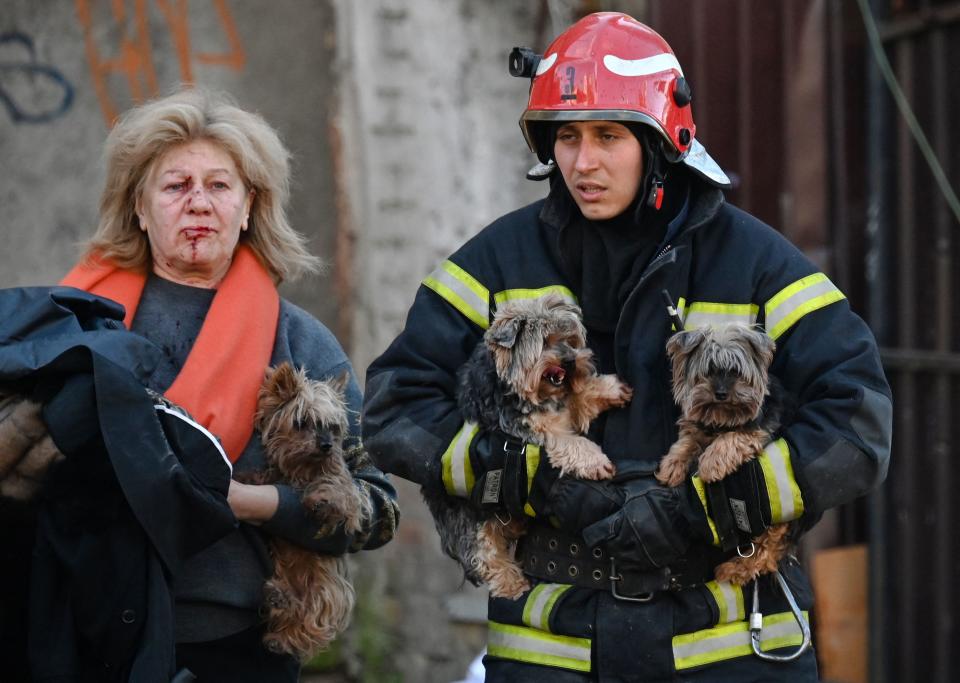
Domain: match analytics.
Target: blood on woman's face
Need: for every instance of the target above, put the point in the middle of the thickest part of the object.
(193, 208)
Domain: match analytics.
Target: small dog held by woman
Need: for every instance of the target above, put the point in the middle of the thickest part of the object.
(531, 377)
(730, 407)
(302, 423)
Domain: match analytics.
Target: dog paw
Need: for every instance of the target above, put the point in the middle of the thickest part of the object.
(596, 467)
(671, 473)
(736, 572)
(614, 393)
(324, 511)
(511, 585)
(713, 469)
(601, 469)
(624, 394)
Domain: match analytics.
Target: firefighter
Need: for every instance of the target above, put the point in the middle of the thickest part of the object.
(622, 570)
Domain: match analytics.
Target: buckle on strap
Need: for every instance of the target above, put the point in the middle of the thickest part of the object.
(640, 586)
(557, 557)
(616, 577)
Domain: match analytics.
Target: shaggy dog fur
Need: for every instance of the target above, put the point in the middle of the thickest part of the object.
(533, 378)
(26, 450)
(730, 407)
(302, 423)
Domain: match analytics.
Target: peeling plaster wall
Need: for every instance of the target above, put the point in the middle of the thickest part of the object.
(434, 152)
(71, 66)
(434, 149)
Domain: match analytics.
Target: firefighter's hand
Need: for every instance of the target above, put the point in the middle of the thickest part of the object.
(738, 505)
(654, 526)
(506, 471)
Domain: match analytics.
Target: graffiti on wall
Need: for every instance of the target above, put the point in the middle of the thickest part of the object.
(30, 91)
(131, 55)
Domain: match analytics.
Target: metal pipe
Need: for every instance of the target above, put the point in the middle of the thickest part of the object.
(839, 187)
(936, 16)
(944, 571)
(877, 261)
(920, 360)
(906, 498)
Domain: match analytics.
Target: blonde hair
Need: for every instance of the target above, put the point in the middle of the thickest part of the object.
(146, 132)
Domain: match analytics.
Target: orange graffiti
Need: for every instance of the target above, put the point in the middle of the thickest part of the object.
(133, 58)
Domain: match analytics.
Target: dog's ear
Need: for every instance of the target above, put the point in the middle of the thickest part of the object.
(284, 381)
(506, 331)
(339, 383)
(762, 344)
(684, 343)
(556, 304)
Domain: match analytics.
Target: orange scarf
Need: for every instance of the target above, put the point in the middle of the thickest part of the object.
(219, 381)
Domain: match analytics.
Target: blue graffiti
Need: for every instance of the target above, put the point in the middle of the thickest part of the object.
(47, 94)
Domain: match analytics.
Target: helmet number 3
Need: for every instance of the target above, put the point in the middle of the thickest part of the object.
(569, 92)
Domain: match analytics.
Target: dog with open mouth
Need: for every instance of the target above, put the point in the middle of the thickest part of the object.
(533, 378)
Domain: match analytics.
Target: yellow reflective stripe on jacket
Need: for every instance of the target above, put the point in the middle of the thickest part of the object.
(515, 294)
(729, 599)
(532, 455)
(794, 301)
(533, 646)
(786, 502)
(733, 640)
(462, 291)
(707, 314)
(540, 603)
(458, 476)
(702, 495)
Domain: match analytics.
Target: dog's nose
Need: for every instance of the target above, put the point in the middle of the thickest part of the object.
(720, 394)
(325, 443)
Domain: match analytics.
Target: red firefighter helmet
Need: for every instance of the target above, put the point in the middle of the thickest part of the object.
(610, 67)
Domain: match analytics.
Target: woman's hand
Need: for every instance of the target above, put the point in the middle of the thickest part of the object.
(253, 503)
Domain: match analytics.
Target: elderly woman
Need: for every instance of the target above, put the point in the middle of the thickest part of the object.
(193, 239)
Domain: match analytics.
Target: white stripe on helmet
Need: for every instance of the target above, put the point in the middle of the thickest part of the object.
(642, 67)
(545, 64)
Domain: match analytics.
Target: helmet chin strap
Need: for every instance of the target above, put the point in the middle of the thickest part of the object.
(655, 175)
(655, 197)
(654, 166)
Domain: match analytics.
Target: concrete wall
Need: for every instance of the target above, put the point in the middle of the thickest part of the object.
(434, 152)
(71, 66)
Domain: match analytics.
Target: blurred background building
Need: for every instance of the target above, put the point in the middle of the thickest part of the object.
(403, 125)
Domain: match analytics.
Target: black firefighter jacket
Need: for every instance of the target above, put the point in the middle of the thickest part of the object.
(719, 264)
(140, 489)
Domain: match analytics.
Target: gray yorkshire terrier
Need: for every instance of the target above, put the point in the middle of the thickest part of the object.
(533, 378)
(302, 423)
(730, 406)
